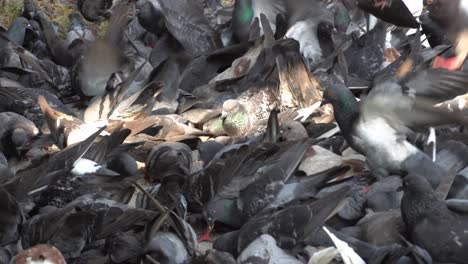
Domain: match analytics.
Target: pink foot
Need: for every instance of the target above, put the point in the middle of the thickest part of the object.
(380, 3)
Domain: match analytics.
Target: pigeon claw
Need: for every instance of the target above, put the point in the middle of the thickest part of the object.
(451, 64)
(381, 4)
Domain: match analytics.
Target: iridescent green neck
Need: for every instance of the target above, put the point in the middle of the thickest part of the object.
(236, 123)
(246, 13)
(346, 109)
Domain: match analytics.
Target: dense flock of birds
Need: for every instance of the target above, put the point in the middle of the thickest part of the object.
(207, 131)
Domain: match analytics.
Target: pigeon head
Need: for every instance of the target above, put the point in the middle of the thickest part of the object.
(19, 137)
(15, 141)
(337, 95)
(17, 30)
(220, 210)
(235, 118)
(345, 105)
(418, 199)
(210, 214)
(230, 106)
(442, 11)
(76, 21)
(293, 131)
(212, 211)
(40, 254)
(150, 16)
(416, 184)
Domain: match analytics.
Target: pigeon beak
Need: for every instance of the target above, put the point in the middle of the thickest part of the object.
(399, 189)
(324, 102)
(223, 114)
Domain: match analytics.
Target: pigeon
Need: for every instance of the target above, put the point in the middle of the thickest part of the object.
(57, 47)
(431, 224)
(30, 9)
(392, 153)
(94, 10)
(170, 164)
(236, 119)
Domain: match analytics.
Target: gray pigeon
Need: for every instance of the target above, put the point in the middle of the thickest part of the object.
(431, 224)
(379, 132)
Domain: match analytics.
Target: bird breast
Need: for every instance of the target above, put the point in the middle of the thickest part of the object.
(379, 137)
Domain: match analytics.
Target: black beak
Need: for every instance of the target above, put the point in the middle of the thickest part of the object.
(324, 102)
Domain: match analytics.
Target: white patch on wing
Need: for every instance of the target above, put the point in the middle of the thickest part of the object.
(348, 255)
(85, 166)
(378, 135)
(29, 260)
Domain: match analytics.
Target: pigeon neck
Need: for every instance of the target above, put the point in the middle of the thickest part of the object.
(236, 123)
(346, 109)
(245, 12)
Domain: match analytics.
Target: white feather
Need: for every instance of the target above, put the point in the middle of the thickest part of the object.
(347, 253)
(85, 166)
(29, 260)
